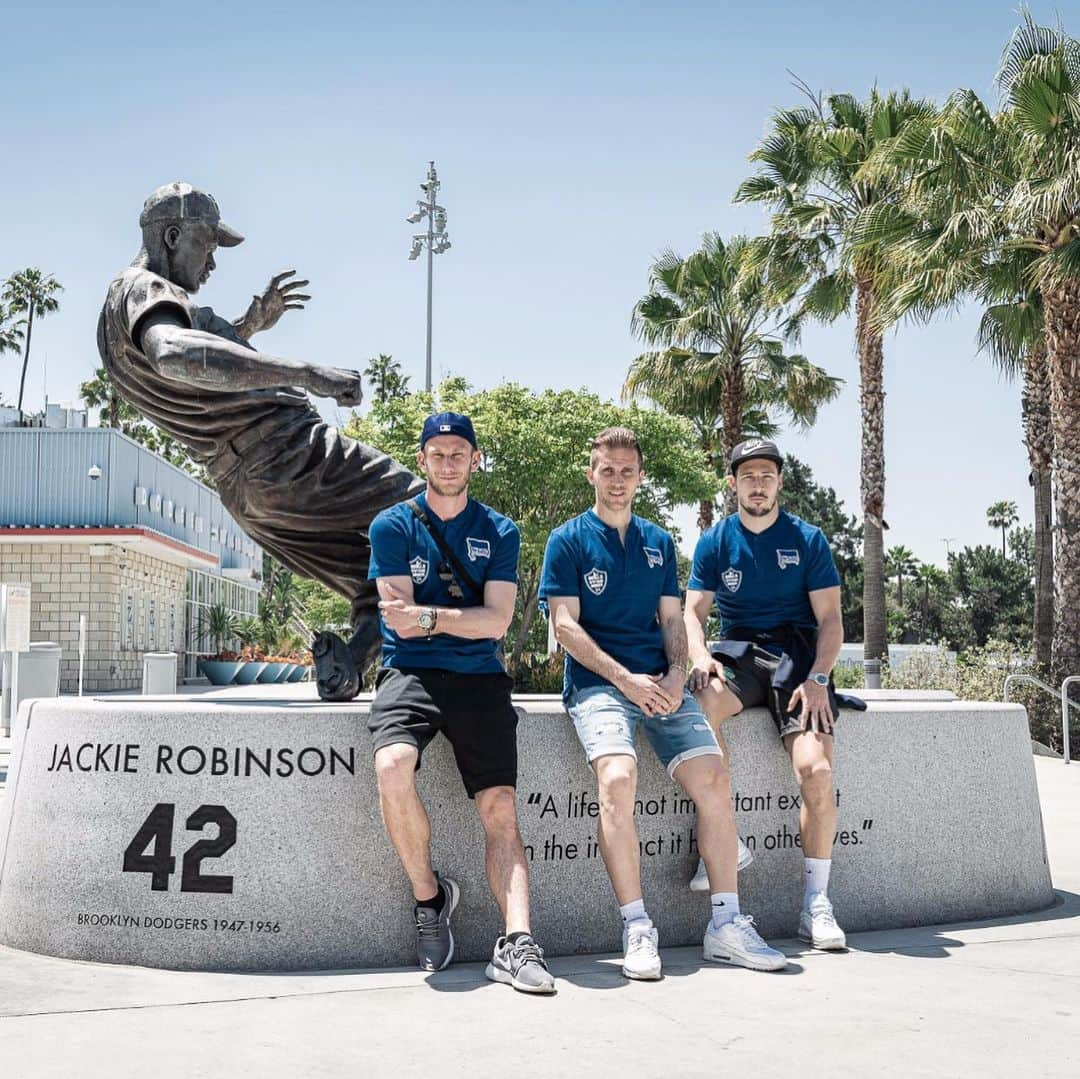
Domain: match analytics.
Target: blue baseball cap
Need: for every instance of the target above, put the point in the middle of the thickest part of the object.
(448, 423)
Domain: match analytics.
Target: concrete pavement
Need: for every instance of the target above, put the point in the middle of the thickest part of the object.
(995, 998)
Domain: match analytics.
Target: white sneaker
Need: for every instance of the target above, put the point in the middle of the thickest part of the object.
(700, 881)
(817, 925)
(738, 942)
(641, 960)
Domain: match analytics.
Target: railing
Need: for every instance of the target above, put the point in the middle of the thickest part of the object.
(1062, 694)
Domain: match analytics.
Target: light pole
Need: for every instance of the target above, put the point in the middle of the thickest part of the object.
(436, 240)
(948, 540)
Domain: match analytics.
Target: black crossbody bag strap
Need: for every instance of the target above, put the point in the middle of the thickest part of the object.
(455, 564)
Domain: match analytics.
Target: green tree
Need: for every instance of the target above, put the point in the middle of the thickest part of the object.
(994, 595)
(717, 355)
(901, 564)
(934, 592)
(11, 331)
(809, 174)
(34, 293)
(1002, 515)
(535, 451)
(387, 381)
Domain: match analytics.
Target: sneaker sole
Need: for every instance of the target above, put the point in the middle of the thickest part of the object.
(497, 974)
(646, 976)
(836, 946)
(746, 961)
(452, 895)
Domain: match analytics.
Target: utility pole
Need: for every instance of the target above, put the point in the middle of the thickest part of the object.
(436, 240)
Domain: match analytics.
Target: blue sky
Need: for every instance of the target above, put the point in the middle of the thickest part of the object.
(575, 143)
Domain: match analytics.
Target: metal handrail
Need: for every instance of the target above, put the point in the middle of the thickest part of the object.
(1062, 694)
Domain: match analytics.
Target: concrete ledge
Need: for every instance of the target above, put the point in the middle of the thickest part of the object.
(938, 822)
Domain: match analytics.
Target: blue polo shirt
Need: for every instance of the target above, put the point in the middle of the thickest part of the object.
(486, 544)
(763, 579)
(619, 586)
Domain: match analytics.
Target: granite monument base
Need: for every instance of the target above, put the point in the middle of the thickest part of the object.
(203, 834)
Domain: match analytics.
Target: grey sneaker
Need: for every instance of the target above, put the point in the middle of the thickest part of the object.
(700, 880)
(434, 941)
(520, 963)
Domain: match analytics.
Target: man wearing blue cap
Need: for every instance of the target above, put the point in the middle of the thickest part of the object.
(446, 569)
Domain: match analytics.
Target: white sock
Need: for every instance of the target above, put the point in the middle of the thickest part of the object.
(725, 905)
(815, 878)
(634, 912)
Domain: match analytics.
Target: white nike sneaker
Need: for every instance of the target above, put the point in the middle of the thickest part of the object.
(641, 960)
(817, 925)
(738, 942)
(700, 880)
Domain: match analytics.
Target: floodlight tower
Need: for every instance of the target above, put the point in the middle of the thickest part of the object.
(436, 240)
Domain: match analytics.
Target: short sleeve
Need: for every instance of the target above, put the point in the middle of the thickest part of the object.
(559, 576)
(671, 569)
(389, 539)
(821, 569)
(504, 561)
(148, 292)
(703, 569)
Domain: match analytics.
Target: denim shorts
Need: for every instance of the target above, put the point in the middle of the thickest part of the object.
(606, 722)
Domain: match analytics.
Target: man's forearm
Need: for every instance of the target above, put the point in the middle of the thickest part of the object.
(829, 639)
(673, 630)
(474, 623)
(696, 644)
(586, 651)
(212, 361)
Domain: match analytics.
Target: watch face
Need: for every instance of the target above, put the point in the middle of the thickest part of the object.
(820, 679)
(425, 620)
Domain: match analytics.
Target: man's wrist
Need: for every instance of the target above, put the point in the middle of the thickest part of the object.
(678, 669)
(819, 678)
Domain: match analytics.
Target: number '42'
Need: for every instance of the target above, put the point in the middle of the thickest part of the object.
(156, 832)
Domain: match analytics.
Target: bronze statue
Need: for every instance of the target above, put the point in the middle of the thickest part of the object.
(298, 487)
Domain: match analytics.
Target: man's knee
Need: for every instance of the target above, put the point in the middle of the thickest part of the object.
(707, 780)
(815, 780)
(617, 784)
(718, 702)
(395, 769)
(497, 807)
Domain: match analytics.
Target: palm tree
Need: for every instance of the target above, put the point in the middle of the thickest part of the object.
(35, 293)
(99, 392)
(810, 162)
(1002, 515)
(1003, 184)
(11, 331)
(718, 355)
(900, 563)
(929, 577)
(384, 374)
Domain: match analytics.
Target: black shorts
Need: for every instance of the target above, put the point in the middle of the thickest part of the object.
(754, 687)
(473, 710)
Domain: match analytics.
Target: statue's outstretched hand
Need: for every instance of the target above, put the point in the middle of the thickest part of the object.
(278, 297)
(343, 386)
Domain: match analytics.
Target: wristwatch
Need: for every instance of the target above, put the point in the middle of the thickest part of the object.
(427, 619)
(818, 678)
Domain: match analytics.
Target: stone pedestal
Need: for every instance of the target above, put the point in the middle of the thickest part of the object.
(203, 834)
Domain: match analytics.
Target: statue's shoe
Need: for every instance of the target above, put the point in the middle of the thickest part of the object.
(336, 676)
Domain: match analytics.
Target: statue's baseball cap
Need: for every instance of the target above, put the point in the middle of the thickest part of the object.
(755, 447)
(182, 202)
(448, 423)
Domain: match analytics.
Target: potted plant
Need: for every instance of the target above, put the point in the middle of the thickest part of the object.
(221, 668)
(247, 633)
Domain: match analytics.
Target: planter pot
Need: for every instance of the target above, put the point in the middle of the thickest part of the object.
(272, 672)
(219, 672)
(298, 674)
(249, 672)
(286, 670)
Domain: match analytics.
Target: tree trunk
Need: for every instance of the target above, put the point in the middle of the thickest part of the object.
(1039, 438)
(531, 595)
(732, 395)
(26, 353)
(872, 468)
(1061, 304)
(114, 409)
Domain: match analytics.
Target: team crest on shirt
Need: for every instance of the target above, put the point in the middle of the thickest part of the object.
(596, 580)
(419, 567)
(653, 557)
(787, 558)
(732, 578)
(478, 548)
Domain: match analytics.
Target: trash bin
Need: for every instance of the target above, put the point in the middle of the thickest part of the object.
(159, 672)
(39, 676)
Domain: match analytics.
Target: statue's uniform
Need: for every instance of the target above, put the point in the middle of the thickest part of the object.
(306, 493)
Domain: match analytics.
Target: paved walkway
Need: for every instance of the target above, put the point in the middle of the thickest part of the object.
(990, 999)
